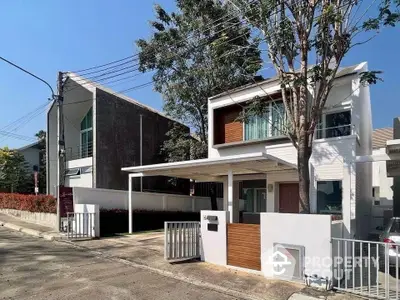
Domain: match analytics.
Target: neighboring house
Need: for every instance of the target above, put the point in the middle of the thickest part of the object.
(256, 159)
(382, 192)
(104, 131)
(32, 155)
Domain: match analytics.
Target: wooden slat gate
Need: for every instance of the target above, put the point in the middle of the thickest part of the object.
(182, 240)
(244, 245)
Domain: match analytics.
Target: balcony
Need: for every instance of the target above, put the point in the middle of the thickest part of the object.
(78, 152)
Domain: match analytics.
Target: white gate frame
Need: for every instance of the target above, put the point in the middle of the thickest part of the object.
(181, 240)
(370, 268)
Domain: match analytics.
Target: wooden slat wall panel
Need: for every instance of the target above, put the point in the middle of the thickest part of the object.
(244, 246)
(226, 128)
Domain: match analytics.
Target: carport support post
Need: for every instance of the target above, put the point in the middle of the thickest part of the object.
(130, 202)
(230, 195)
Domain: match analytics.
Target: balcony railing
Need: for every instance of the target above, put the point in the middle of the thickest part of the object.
(77, 152)
(336, 131)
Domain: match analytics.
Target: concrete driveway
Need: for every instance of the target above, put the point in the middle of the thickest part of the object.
(32, 268)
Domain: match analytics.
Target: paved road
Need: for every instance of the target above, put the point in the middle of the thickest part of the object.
(32, 268)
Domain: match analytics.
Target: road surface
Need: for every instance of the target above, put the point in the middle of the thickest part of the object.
(32, 268)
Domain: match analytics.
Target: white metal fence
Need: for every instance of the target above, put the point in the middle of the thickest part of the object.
(366, 268)
(182, 240)
(80, 225)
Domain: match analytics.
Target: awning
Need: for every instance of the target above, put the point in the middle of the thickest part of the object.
(214, 168)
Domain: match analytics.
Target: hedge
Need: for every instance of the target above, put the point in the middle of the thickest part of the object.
(117, 221)
(32, 203)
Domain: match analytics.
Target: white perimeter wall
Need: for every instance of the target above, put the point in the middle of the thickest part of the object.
(213, 243)
(313, 232)
(115, 199)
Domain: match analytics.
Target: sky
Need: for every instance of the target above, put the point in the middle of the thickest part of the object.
(48, 36)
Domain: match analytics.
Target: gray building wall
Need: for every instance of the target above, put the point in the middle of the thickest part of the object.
(118, 145)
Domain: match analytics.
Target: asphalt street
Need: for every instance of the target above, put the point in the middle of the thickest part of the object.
(32, 268)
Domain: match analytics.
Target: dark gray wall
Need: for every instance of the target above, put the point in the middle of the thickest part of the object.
(118, 145)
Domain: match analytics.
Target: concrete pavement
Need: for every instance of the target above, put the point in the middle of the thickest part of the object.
(29, 228)
(32, 268)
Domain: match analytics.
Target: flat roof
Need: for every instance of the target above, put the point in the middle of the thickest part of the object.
(203, 169)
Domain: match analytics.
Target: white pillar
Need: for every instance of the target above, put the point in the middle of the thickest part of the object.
(130, 203)
(230, 195)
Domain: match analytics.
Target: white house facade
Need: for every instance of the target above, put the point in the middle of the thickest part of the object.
(258, 154)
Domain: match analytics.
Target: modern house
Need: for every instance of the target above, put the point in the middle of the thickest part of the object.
(382, 192)
(32, 155)
(104, 131)
(257, 156)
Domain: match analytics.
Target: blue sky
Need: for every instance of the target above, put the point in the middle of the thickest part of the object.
(48, 36)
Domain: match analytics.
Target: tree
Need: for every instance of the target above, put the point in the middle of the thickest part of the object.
(197, 52)
(14, 172)
(41, 136)
(297, 32)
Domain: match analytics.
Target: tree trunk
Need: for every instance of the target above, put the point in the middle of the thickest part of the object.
(303, 157)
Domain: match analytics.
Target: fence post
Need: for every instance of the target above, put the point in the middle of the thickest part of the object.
(164, 202)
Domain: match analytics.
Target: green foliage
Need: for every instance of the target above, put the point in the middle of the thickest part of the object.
(14, 172)
(196, 52)
(41, 136)
(370, 77)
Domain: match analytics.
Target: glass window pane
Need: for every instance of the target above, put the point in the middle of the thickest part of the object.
(278, 118)
(256, 127)
(89, 144)
(329, 197)
(338, 124)
(248, 196)
(261, 201)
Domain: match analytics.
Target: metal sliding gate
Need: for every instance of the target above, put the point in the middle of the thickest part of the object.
(80, 225)
(366, 268)
(182, 240)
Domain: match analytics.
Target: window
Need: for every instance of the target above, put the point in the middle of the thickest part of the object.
(271, 124)
(329, 197)
(87, 135)
(334, 125)
(73, 172)
(85, 170)
(255, 200)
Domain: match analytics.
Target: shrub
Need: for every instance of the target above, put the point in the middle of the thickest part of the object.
(32, 203)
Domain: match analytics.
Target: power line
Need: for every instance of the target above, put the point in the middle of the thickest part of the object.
(107, 64)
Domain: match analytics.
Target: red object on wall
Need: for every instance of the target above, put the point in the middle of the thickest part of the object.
(66, 201)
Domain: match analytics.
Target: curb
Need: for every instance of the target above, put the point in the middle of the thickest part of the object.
(29, 231)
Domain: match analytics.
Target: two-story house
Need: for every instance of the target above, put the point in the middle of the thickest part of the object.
(257, 157)
(104, 131)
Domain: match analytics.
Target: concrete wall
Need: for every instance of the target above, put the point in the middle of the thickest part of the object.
(114, 199)
(380, 179)
(118, 144)
(45, 219)
(313, 232)
(213, 243)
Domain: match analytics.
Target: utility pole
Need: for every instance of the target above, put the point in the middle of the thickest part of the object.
(60, 141)
(141, 150)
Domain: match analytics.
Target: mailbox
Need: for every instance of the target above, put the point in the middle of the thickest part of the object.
(212, 223)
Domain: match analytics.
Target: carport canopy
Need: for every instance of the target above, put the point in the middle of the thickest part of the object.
(213, 169)
(210, 169)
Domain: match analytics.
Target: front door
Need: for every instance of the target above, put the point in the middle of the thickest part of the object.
(289, 199)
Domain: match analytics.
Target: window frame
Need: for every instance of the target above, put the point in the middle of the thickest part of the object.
(76, 172)
(323, 128)
(269, 128)
(316, 192)
(82, 153)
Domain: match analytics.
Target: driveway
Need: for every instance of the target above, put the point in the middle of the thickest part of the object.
(32, 268)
